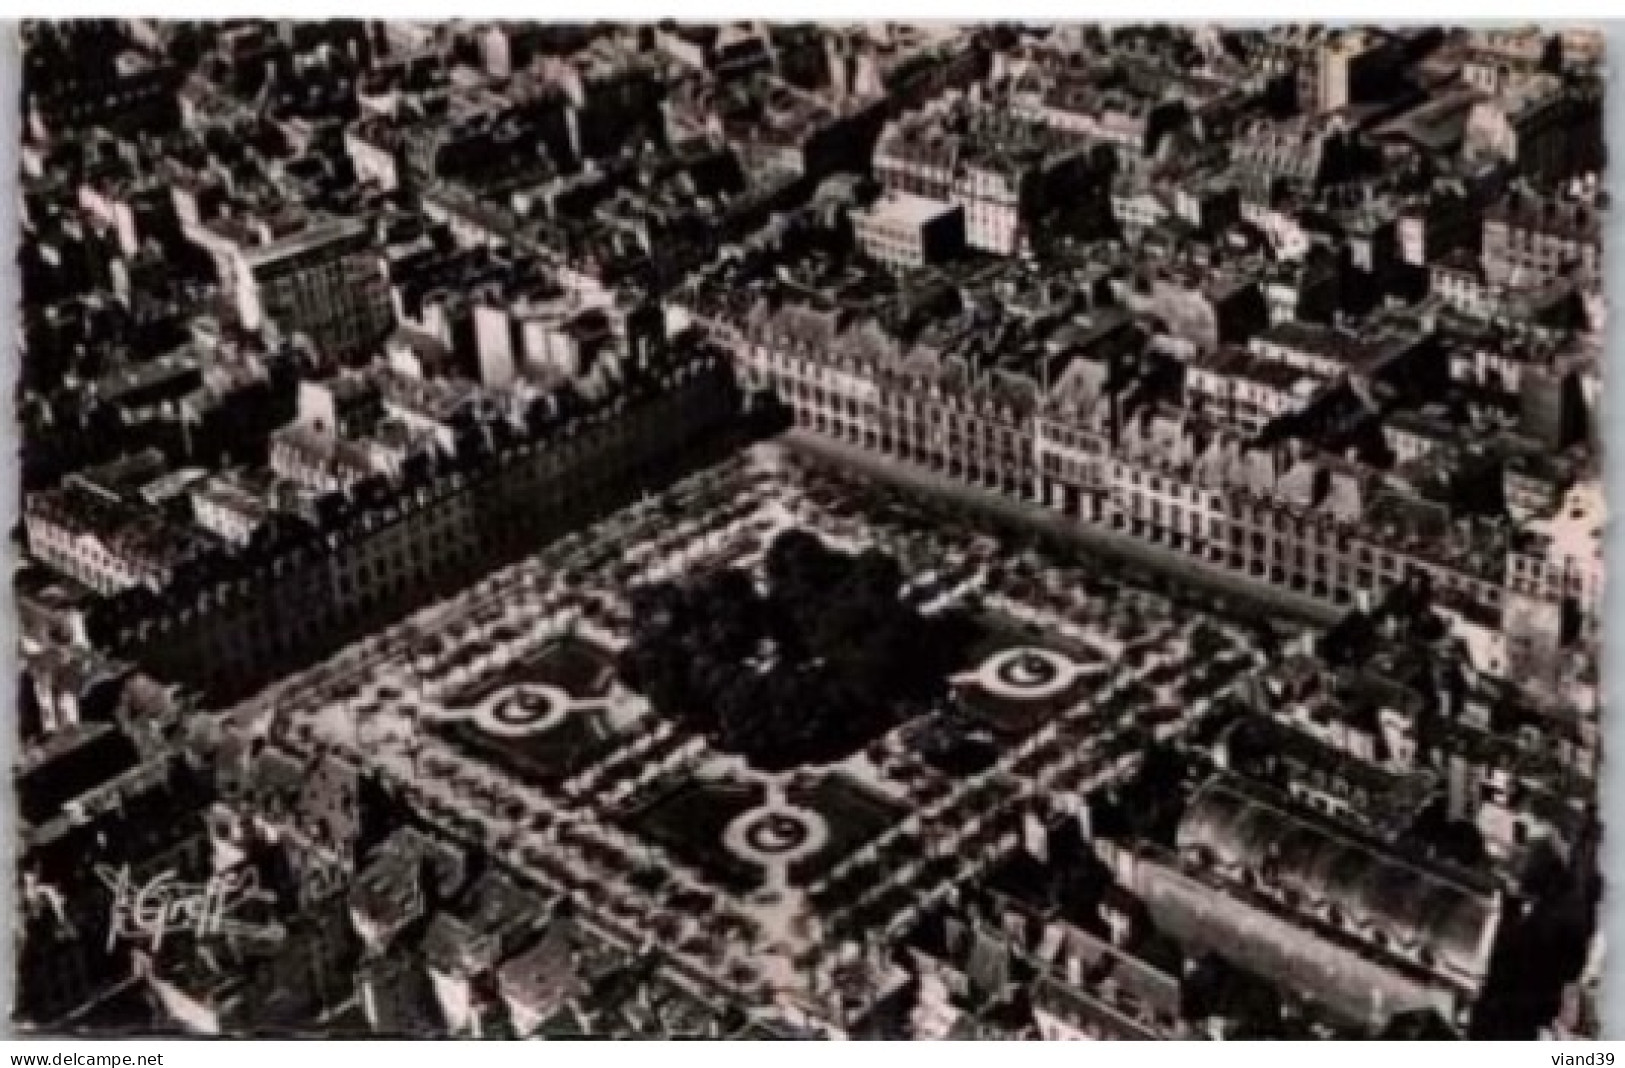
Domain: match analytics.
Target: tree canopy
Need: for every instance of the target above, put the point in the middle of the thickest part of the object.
(809, 670)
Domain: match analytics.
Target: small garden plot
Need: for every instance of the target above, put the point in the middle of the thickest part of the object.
(1020, 684)
(570, 665)
(577, 667)
(854, 814)
(690, 821)
(544, 758)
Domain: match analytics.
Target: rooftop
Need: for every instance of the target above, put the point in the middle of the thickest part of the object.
(908, 209)
(1406, 905)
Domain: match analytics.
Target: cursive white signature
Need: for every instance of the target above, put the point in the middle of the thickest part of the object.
(147, 913)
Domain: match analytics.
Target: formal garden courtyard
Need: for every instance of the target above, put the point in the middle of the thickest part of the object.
(769, 709)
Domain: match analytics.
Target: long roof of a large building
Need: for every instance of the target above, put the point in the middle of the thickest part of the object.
(1392, 899)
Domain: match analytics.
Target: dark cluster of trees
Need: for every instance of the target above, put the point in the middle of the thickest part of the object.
(1149, 805)
(1540, 951)
(1248, 1008)
(824, 661)
(1454, 841)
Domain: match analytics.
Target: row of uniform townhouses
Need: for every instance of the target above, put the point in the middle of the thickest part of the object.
(1078, 424)
(309, 560)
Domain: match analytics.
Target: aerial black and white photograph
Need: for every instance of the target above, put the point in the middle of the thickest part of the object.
(808, 530)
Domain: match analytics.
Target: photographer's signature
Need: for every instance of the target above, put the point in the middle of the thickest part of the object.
(163, 905)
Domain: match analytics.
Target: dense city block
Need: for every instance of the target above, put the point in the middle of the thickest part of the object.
(808, 531)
